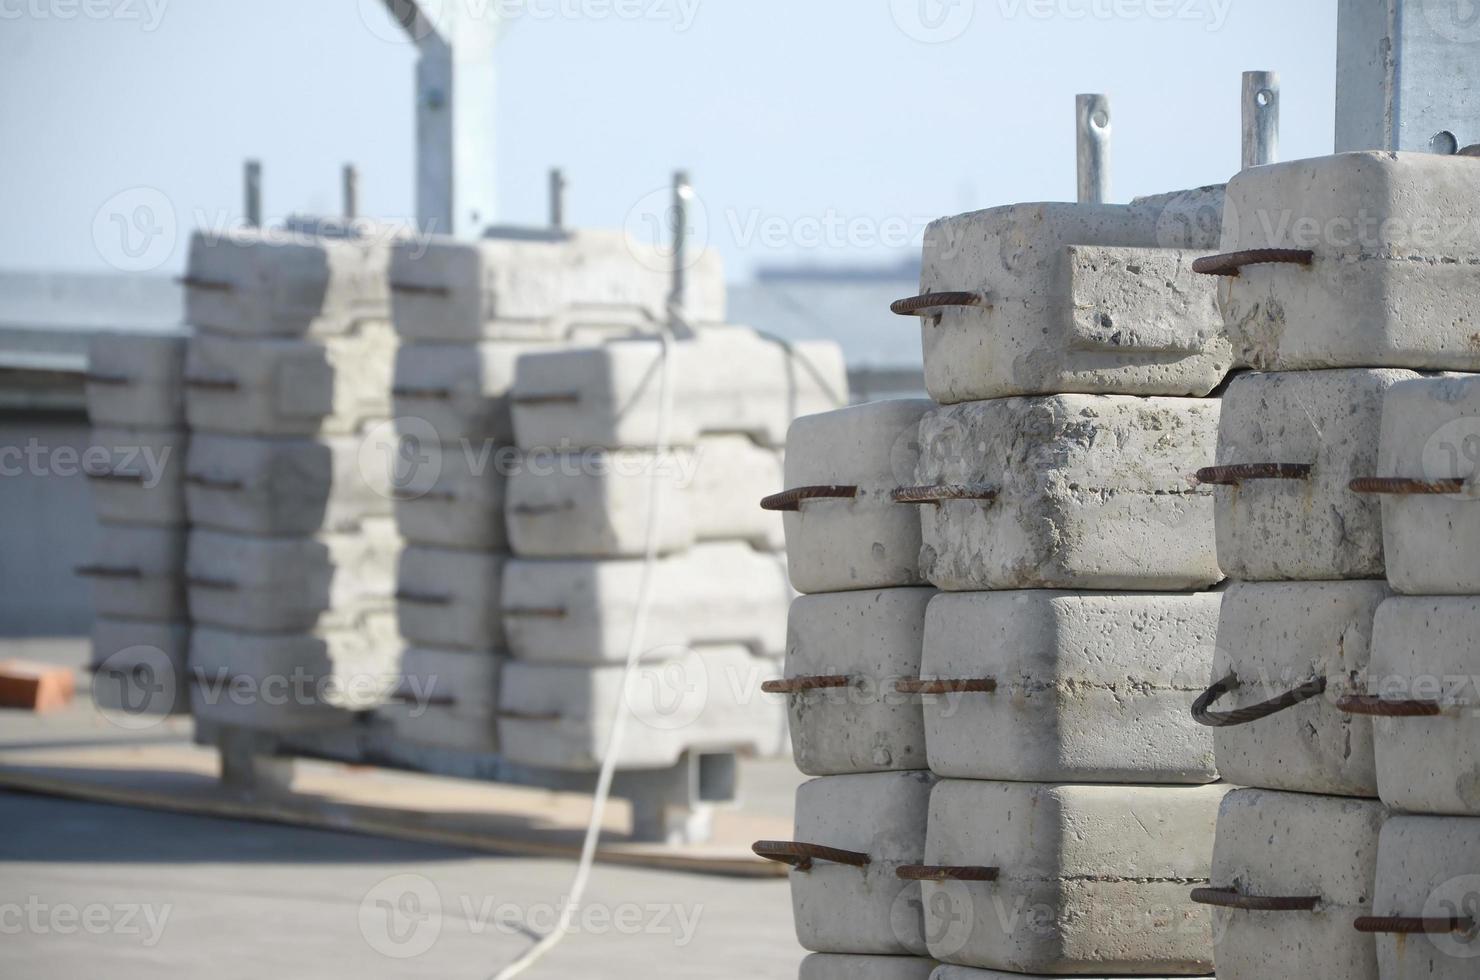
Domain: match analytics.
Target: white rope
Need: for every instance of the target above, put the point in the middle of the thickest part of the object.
(634, 653)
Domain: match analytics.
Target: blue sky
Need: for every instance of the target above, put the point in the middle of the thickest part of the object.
(817, 131)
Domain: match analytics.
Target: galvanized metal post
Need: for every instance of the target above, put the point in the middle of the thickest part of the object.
(1407, 75)
(683, 192)
(557, 198)
(1261, 118)
(1092, 139)
(252, 194)
(351, 192)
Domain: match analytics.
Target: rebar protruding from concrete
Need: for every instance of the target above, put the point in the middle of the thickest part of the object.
(1092, 126)
(557, 198)
(351, 192)
(252, 203)
(1261, 118)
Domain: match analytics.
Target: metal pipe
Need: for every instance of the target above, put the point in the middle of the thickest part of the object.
(557, 198)
(1092, 134)
(252, 204)
(683, 192)
(1261, 118)
(351, 191)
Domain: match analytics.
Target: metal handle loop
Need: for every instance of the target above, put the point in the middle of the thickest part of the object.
(791, 500)
(1232, 476)
(1228, 898)
(1202, 714)
(800, 855)
(1232, 263)
(798, 685)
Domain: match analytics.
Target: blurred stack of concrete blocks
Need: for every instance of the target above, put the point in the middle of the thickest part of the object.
(1345, 280)
(589, 424)
(292, 552)
(465, 313)
(135, 466)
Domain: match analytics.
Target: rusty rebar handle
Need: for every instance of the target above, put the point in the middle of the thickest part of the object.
(536, 612)
(403, 695)
(111, 476)
(940, 493)
(1203, 715)
(439, 394)
(512, 715)
(799, 685)
(105, 571)
(789, 501)
(1378, 707)
(1402, 486)
(922, 305)
(982, 685)
(209, 285)
(420, 289)
(931, 872)
(1411, 926)
(1232, 263)
(800, 855)
(1233, 475)
(214, 483)
(423, 599)
(1229, 898)
(552, 398)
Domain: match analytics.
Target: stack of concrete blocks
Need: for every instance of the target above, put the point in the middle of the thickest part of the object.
(292, 551)
(1070, 799)
(1343, 282)
(135, 465)
(589, 423)
(465, 313)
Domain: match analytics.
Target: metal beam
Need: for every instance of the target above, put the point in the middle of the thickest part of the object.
(1092, 145)
(1407, 73)
(1261, 118)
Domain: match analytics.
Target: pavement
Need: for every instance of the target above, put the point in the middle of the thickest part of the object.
(88, 889)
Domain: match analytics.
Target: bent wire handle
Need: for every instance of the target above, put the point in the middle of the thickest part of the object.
(1402, 486)
(800, 855)
(213, 384)
(107, 571)
(1378, 707)
(210, 285)
(423, 599)
(1232, 263)
(1233, 475)
(214, 483)
(939, 493)
(930, 872)
(1203, 715)
(1408, 926)
(926, 304)
(1229, 898)
(791, 500)
(797, 685)
(983, 685)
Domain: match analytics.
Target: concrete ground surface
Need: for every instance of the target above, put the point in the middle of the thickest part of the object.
(90, 890)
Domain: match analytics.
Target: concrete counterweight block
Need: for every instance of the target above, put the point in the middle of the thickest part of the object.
(1088, 879)
(722, 380)
(138, 572)
(1423, 687)
(291, 584)
(844, 654)
(138, 668)
(280, 487)
(844, 529)
(559, 716)
(1067, 492)
(135, 380)
(461, 391)
(248, 387)
(596, 504)
(285, 682)
(271, 283)
(1291, 871)
(136, 475)
(1280, 637)
(1431, 438)
(462, 504)
(581, 611)
(450, 599)
(1289, 445)
(1069, 687)
(1427, 900)
(446, 698)
(1374, 268)
(843, 966)
(1052, 298)
(546, 287)
(878, 821)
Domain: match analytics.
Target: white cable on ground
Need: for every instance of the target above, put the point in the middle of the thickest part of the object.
(634, 653)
